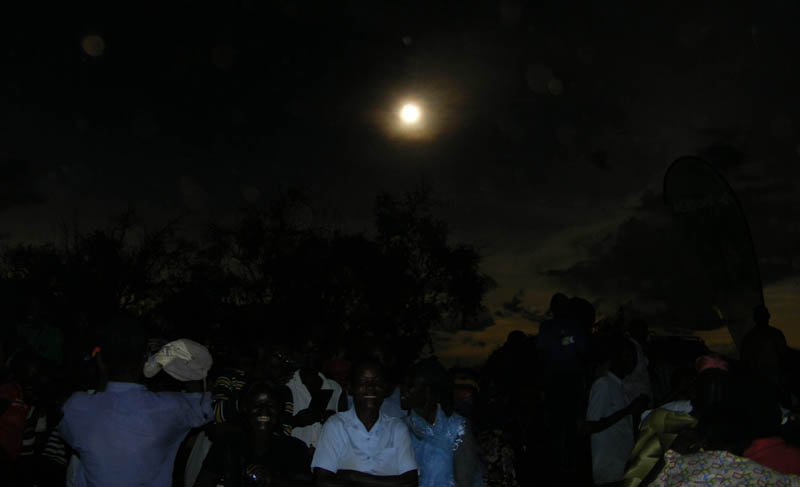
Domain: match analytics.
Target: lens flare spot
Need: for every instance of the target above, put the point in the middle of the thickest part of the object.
(93, 45)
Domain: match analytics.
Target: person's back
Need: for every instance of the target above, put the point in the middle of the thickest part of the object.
(560, 349)
(128, 435)
(562, 340)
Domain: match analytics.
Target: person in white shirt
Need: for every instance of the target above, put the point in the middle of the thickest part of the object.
(638, 382)
(609, 415)
(308, 415)
(361, 446)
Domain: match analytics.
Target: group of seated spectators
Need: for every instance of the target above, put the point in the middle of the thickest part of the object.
(569, 406)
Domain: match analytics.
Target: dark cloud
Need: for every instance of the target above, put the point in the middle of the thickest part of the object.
(471, 341)
(515, 307)
(648, 263)
(645, 261)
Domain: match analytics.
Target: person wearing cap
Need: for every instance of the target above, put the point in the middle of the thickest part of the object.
(126, 435)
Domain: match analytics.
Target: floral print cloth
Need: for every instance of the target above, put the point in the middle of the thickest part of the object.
(718, 468)
(499, 456)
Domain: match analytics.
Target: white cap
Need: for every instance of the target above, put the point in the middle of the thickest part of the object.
(183, 359)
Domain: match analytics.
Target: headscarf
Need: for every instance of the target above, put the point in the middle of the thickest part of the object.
(713, 361)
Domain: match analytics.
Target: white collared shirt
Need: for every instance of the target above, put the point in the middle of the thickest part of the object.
(345, 444)
(612, 446)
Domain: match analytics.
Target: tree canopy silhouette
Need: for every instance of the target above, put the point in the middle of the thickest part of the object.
(274, 274)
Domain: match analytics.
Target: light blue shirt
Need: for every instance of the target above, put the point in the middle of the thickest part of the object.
(435, 445)
(345, 444)
(127, 435)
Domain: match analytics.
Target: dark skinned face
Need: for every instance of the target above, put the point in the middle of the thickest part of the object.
(281, 365)
(626, 361)
(413, 394)
(368, 389)
(261, 412)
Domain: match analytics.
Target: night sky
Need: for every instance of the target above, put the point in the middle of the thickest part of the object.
(546, 130)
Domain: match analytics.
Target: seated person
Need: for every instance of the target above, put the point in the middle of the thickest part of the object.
(761, 418)
(260, 455)
(361, 446)
(444, 446)
(716, 458)
(312, 398)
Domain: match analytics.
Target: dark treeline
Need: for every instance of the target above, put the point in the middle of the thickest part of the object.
(267, 275)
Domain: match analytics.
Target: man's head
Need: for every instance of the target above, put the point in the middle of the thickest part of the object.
(260, 407)
(623, 356)
(559, 305)
(427, 384)
(761, 315)
(123, 348)
(639, 331)
(281, 364)
(368, 386)
(583, 312)
(389, 360)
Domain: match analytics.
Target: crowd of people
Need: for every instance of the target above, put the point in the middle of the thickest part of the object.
(576, 404)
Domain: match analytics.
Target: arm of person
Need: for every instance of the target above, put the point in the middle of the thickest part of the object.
(64, 428)
(195, 409)
(331, 446)
(406, 463)
(326, 478)
(306, 417)
(212, 468)
(602, 424)
(206, 478)
(361, 479)
(466, 460)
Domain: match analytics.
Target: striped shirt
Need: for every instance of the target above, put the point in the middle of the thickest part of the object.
(55, 450)
(225, 395)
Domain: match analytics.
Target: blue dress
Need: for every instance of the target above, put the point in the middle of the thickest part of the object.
(434, 446)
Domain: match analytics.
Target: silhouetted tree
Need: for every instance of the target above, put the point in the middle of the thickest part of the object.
(275, 273)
